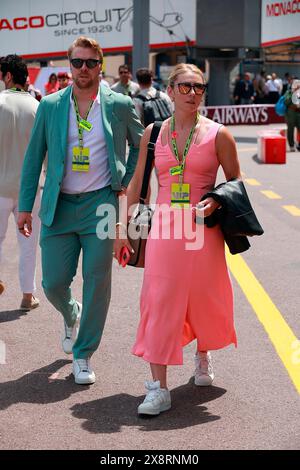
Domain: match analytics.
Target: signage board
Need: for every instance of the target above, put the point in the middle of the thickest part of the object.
(39, 28)
(280, 22)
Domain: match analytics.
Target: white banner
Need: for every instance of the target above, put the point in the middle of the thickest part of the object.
(43, 28)
(280, 22)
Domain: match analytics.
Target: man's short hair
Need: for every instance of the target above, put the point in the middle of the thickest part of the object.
(88, 43)
(123, 67)
(144, 76)
(16, 66)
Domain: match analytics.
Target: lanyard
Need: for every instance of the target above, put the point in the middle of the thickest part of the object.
(17, 89)
(81, 123)
(186, 147)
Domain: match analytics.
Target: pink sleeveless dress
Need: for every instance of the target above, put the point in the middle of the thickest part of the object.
(186, 292)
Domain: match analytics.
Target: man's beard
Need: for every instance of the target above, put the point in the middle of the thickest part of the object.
(87, 84)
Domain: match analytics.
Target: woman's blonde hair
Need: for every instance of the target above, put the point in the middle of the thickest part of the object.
(183, 68)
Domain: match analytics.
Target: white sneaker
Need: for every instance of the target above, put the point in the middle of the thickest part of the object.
(157, 399)
(82, 372)
(70, 333)
(204, 374)
(292, 149)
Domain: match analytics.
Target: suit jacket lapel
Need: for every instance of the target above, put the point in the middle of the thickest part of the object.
(106, 101)
(63, 107)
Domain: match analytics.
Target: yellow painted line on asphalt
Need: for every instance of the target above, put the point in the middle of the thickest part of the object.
(271, 194)
(293, 210)
(252, 182)
(282, 337)
(247, 149)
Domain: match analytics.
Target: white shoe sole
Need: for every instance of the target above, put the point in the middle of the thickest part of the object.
(204, 381)
(87, 381)
(165, 407)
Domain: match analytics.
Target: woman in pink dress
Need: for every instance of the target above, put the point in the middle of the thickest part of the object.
(187, 292)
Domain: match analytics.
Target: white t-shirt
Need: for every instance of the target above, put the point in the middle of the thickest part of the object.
(17, 113)
(99, 174)
(273, 85)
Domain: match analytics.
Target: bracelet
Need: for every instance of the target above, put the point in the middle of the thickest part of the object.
(120, 224)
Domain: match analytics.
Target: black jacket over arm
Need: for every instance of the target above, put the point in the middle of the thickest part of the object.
(235, 216)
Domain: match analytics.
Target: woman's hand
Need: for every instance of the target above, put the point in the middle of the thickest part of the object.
(208, 206)
(121, 241)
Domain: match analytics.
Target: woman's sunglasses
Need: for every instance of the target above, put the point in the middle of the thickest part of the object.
(90, 63)
(185, 88)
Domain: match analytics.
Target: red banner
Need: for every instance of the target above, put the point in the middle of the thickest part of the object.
(254, 114)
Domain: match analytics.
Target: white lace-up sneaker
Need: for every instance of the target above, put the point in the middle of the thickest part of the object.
(204, 374)
(82, 371)
(70, 333)
(157, 399)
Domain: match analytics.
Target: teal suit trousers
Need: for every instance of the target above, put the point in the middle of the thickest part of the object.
(74, 230)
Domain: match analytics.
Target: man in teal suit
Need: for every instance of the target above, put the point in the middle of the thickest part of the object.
(84, 129)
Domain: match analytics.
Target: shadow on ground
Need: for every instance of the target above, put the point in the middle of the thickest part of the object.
(110, 414)
(11, 315)
(38, 387)
(256, 160)
(246, 140)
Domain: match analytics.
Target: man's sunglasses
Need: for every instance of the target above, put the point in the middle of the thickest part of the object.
(185, 88)
(90, 63)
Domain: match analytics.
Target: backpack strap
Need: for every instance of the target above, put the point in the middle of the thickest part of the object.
(145, 98)
(142, 97)
(150, 157)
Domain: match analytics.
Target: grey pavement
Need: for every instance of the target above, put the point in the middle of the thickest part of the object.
(253, 403)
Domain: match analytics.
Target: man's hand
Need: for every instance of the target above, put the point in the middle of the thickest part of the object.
(25, 223)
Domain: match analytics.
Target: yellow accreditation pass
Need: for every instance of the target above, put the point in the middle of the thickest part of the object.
(81, 159)
(180, 195)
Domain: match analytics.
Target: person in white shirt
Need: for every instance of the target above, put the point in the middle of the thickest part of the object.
(273, 87)
(17, 113)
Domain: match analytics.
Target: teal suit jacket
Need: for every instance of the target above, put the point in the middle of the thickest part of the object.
(50, 134)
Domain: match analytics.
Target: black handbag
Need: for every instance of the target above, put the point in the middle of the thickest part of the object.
(139, 226)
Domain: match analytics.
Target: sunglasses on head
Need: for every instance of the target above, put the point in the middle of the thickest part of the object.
(90, 63)
(185, 88)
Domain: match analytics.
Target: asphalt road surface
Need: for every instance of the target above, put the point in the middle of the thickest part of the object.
(254, 402)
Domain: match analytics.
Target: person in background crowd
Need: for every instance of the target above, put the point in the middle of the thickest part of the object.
(273, 87)
(63, 79)
(52, 85)
(125, 85)
(17, 112)
(35, 92)
(145, 82)
(286, 83)
(155, 84)
(102, 79)
(246, 90)
(292, 115)
(237, 89)
(84, 129)
(259, 84)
